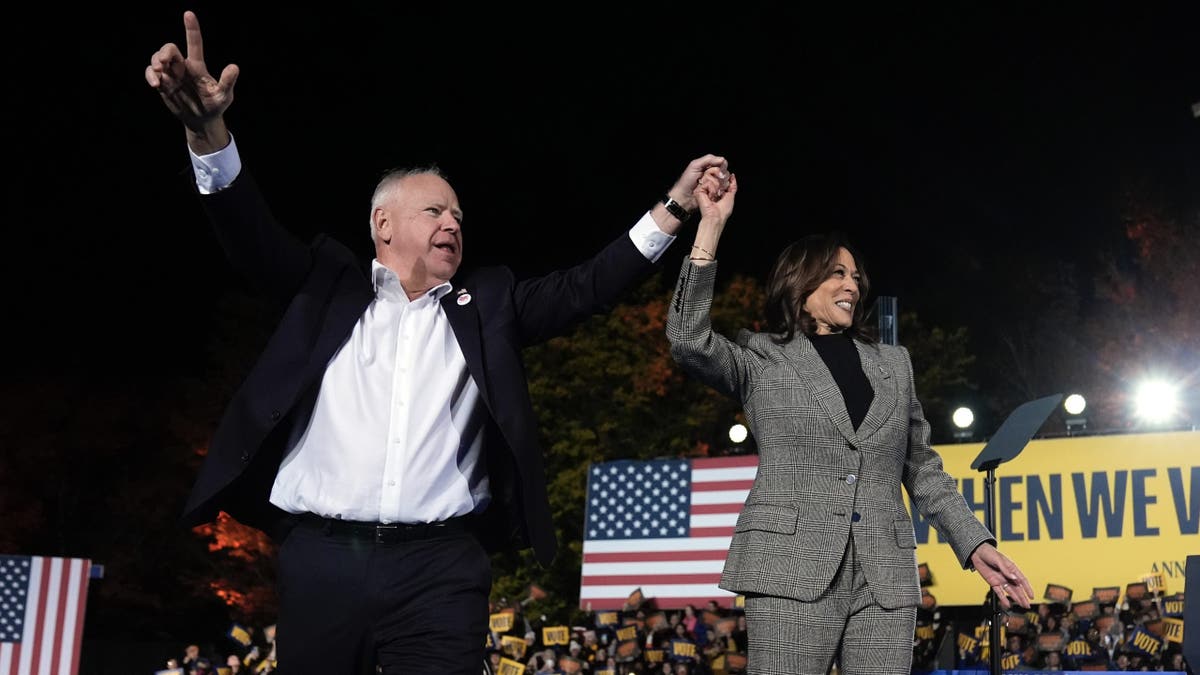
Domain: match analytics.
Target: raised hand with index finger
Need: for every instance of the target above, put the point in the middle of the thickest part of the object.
(189, 91)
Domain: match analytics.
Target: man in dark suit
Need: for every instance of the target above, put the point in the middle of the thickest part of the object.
(386, 436)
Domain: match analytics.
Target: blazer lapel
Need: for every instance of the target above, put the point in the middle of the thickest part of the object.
(879, 373)
(462, 311)
(346, 307)
(812, 371)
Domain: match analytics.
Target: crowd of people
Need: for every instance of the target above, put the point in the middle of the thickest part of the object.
(1093, 634)
(247, 650)
(1114, 634)
(638, 639)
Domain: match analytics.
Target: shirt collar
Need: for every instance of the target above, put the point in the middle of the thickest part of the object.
(385, 283)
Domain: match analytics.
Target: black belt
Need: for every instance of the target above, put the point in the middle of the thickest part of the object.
(389, 533)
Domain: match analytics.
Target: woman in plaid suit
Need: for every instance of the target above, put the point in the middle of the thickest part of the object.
(824, 550)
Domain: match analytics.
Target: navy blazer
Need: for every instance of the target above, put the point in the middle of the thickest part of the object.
(326, 290)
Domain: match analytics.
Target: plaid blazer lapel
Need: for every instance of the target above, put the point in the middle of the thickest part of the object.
(815, 375)
(879, 373)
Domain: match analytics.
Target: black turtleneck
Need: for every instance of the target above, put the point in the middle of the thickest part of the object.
(840, 355)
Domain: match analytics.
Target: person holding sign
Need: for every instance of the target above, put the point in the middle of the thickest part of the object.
(824, 550)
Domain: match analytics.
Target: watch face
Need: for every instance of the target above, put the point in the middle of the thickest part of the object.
(674, 208)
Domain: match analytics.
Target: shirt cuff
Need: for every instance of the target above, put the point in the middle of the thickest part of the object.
(216, 171)
(651, 241)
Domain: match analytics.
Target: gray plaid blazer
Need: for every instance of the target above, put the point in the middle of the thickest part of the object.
(815, 471)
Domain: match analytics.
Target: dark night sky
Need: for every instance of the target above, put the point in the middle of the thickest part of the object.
(946, 142)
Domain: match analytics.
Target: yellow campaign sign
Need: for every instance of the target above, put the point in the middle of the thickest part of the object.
(1130, 500)
(510, 667)
(501, 622)
(1156, 582)
(513, 646)
(1173, 630)
(967, 643)
(984, 633)
(1146, 642)
(240, 635)
(1079, 648)
(683, 649)
(627, 633)
(555, 635)
(1173, 606)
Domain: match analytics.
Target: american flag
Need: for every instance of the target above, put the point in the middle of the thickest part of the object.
(663, 526)
(42, 603)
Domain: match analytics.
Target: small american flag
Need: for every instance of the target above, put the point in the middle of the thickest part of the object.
(42, 604)
(663, 526)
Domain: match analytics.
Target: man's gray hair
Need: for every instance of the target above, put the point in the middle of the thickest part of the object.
(390, 181)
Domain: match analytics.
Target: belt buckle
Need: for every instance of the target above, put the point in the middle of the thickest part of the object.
(381, 532)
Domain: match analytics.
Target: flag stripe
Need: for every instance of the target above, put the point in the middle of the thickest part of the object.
(85, 574)
(60, 612)
(716, 508)
(49, 619)
(710, 463)
(726, 532)
(644, 568)
(722, 497)
(723, 485)
(657, 591)
(713, 520)
(9, 652)
(654, 556)
(628, 545)
(38, 579)
(740, 474)
(635, 580)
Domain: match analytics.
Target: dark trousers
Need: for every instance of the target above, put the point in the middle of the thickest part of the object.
(349, 604)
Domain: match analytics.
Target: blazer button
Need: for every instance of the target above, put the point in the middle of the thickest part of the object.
(851, 479)
(275, 415)
(245, 456)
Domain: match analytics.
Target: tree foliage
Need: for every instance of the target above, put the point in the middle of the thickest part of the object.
(942, 364)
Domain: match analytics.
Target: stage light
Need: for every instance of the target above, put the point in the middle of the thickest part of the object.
(963, 418)
(1156, 401)
(1075, 404)
(738, 433)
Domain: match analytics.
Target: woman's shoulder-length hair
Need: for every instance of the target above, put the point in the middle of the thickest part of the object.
(801, 267)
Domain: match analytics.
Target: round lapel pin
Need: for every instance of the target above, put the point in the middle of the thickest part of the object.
(464, 298)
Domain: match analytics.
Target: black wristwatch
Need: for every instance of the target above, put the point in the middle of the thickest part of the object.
(676, 209)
